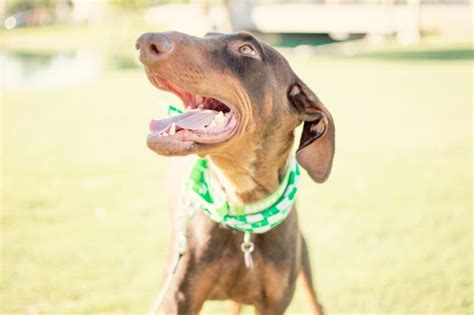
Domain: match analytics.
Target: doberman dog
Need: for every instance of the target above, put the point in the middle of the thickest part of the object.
(243, 102)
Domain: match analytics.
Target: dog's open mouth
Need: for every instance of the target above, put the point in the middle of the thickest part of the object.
(205, 119)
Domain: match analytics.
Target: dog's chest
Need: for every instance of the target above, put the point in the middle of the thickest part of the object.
(235, 281)
(218, 248)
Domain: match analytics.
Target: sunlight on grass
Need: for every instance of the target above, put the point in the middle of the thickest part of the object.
(85, 225)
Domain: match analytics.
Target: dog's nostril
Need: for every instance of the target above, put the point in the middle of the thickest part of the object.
(154, 49)
(152, 45)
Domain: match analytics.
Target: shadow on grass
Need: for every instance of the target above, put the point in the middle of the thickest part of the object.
(446, 54)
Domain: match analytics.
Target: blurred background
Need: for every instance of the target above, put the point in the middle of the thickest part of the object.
(84, 221)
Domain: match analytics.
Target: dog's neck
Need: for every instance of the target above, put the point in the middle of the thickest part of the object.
(250, 175)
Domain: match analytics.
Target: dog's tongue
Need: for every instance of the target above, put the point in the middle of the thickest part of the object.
(191, 120)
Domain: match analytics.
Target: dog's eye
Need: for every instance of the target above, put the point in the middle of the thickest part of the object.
(247, 50)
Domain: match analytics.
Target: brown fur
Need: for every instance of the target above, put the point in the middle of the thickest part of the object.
(270, 101)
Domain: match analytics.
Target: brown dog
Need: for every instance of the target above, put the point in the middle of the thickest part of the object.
(248, 151)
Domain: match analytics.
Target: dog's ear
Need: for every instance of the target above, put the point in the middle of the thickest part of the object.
(316, 150)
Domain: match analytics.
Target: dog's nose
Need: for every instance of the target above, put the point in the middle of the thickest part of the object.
(153, 46)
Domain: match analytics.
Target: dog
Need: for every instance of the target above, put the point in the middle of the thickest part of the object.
(243, 104)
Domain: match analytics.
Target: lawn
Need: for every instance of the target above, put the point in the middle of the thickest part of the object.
(84, 223)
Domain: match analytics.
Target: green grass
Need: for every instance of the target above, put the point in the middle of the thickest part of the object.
(84, 219)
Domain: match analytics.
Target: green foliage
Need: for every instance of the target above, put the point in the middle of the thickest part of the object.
(13, 7)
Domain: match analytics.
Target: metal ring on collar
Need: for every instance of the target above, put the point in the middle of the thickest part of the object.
(247, 247)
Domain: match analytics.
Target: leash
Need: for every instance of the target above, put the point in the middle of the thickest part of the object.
(166, 287)
(183, 221)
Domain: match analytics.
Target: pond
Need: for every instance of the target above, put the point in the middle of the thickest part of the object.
(27, 69)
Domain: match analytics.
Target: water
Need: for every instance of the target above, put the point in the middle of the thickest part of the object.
(25, 69)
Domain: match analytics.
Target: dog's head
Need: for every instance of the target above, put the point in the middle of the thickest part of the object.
(236, 90)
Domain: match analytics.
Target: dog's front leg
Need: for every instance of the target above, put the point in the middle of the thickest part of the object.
(190, 287)
(274, 306)
(183, 298)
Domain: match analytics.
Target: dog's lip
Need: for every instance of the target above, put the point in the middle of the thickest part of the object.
(188, 137)
(169, 146)
(168, 85)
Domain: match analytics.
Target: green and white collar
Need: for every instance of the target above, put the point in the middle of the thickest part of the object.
(205, 193)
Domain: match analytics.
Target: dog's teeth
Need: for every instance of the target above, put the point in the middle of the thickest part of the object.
(172, 129)
(220, 118)
(213, 124)
(165, 134)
